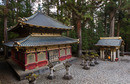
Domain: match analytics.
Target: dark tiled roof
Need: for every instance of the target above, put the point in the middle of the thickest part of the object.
(41, 41)
(41, 20)
(109, 42)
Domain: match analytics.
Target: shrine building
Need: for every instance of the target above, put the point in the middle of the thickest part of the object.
(110, 47)
(40, 41)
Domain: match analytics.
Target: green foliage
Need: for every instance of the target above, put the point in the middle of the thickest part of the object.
(12, 35)
(94, 16)
(96, 55)
(21, 8)
(73, 34)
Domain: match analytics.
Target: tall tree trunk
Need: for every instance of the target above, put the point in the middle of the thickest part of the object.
(105, 21)
(5, 25)
(112, 23)
(118, 25)
(57, 11)
(5, 29)
(48, 8)
(79, 37)
(118, 28)
(68, 33)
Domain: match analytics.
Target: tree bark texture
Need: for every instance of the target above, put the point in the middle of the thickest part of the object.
(79, 37)
(5, 29)
(118, 28)
(105, 21)
(112, 23)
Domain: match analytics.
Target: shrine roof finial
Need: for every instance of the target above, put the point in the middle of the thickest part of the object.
(39, 8)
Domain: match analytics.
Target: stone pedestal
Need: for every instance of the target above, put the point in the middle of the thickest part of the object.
(95, 61)
(83, 62)
(67, 77)
(92, 62)
(86, 66)
(32, 82)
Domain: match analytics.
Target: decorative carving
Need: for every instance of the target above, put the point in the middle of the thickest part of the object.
(62, 52)
(53, 55)
(41, 56)
(68, 52)
(52, 47)
(31, 58)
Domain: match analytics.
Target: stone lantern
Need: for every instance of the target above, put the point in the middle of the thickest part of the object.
(67, 76)
(51, 67)
(83, 58)
(86, 66)
(92, 60)
(95, 59)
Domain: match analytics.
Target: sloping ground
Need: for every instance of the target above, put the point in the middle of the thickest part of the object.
(104, 73)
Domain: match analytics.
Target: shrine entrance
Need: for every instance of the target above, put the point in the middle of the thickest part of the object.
(107, 53)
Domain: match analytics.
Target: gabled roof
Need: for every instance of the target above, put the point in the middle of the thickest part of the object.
(33, 40)
(41, 20)
(109, 41)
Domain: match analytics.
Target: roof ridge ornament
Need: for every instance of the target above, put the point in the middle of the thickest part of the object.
(39, 8)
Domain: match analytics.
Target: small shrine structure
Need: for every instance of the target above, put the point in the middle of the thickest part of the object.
(40, 41)
(110, 47)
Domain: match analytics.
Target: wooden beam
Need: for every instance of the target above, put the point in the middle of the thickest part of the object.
(110, 38)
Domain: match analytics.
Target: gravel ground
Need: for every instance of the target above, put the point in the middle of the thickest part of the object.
(105, 73)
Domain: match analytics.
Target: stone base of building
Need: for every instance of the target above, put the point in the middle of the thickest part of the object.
(21, 74)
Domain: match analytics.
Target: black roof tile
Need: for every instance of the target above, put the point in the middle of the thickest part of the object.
(109, 42)
(41, 41)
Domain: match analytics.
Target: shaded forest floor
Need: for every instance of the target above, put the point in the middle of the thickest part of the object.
(105, 73)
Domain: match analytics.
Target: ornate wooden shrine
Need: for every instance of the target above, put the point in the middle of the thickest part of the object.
(110, 47)
(39, 42)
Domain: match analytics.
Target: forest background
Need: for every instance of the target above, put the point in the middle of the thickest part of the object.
(91, 19)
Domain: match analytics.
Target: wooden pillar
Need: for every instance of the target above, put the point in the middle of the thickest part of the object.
(100, 53)
(25, 59)
(114, 54)
(36, 59)
(118, 53)
(111, 54)
(103, 56)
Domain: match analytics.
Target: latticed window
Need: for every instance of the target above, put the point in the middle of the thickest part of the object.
(68, 51)
(41, 56)
(53, 55)
(62, 52)
(31, 58)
